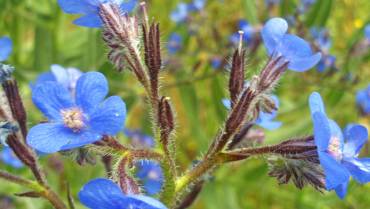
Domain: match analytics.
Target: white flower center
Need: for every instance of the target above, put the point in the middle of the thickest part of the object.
(73, 118)
(334, 148)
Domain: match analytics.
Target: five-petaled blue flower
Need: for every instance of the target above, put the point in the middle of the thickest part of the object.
(67, 77)
(338, 154)
(6, 47)
(75, 121)
(180, 13)
(294, 49)
(104, 194)
(151, 175)
(248, 32)
(363, 100)
(149, 172)
(265, 120)
(8, 157)
(89, 9)
(174, 43)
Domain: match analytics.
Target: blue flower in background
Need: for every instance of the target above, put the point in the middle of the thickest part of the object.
(149, 172)
(8, 157)
(363, 100)
(75, 122)
(305, 5)
(367, 32)
(326, 62)
(104, 194)
(321, 38)
(248, 34)
(197, 5)
(264, 120)
(89, 9)
(6, 48)
(67, 77)
(174, 43)
(216, 62)
(151, 175)
(180, 13)
(139, 140)
(338, 154)
(294, 49)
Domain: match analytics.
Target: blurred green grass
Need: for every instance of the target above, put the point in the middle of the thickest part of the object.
(44, 35)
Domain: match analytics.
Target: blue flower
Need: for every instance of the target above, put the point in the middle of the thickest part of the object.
(139, 140)
(326, 62)
(321, 38)
(305, 5)
(216, 62)
(264, 120)
(174, 43)
(248, 32)
(9, 158)
(104, 194)
(89, 9)
(180, 13)
(197, 5)
(363, 100)
(67, 77)
(294, 49)
(6, 48)
(338, 154)
(75, 122)
(367, 32)
(151, 175)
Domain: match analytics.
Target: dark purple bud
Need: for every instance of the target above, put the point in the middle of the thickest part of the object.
(236, 80)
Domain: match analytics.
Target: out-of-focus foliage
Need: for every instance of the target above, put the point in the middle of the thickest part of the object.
(43, 35)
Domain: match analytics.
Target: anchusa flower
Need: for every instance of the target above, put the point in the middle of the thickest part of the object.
(338, 152)
(216, 62)
(197, 5)
(151, 175)
(180, 13)
(323, 42)
(89, 9)
(6, 48)
(265, 119)
(149, 172)
(367, 34)
(8, 157)
(67, 77)
(105, 194)
(75, 122)
(174, 43)
(363, 100)
(248, 33)
(293, 49)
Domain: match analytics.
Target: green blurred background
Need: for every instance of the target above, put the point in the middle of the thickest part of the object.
(43, 35)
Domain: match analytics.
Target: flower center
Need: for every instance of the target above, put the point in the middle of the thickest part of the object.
(153, 175)
(73, 118)
(334, 148)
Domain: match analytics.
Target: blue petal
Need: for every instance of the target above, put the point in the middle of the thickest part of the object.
(109, 117)
(145, 202)
(341, 190)
(272, 33)
(298, 52)
(43, 77)
(91, 89)
(49, 137)
(270, 125)
(226, 103)
(322, 132)
(359, 169)
(50, 98)
(6, 47)
(91, 20)
(316, 103)
(150, 173)
(82, 138)
(356, 137)
(77, 6)
(8, 156)
(128, 6)
(336, 133)
(101, 194)
(335, 173)
(60, 75)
